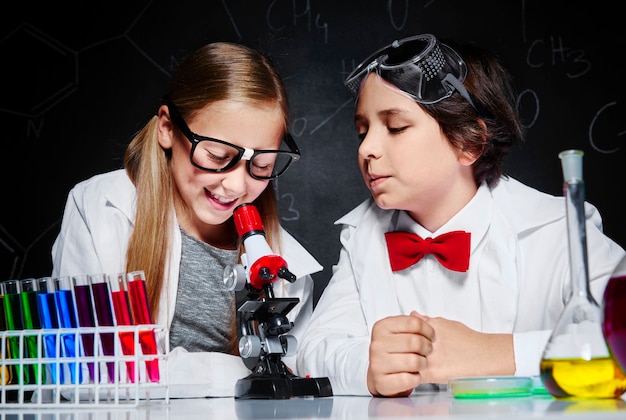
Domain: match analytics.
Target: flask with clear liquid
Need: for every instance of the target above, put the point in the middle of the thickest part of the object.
(576, 362)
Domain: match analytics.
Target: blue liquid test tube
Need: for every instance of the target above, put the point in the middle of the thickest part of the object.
(68, 319)
(50, 320)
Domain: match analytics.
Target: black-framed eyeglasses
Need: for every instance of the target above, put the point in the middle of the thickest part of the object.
(214, 155)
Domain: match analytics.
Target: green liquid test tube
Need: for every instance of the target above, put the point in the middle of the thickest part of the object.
(12, 289)
(32, 321)
(7, 371)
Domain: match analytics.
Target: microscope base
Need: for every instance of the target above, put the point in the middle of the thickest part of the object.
(281, 387)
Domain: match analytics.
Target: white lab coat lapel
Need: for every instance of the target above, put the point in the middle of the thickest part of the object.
(371, 263)
(120, 194)
(498, 279)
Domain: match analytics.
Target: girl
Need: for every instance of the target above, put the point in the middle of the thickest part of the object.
(214, 143)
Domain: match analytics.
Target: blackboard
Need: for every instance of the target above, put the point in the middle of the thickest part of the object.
(78, 80)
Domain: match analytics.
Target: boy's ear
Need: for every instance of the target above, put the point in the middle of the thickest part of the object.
(468, 157)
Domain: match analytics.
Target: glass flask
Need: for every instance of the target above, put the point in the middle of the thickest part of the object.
(614, 317)
(576, 362)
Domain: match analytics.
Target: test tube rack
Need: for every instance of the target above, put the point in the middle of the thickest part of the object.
(130, 387)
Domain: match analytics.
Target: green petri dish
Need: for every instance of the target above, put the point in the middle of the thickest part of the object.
(491, 387)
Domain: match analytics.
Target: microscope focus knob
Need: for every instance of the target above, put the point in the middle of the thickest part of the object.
(234, 277)
(249, 346)
(290, 344)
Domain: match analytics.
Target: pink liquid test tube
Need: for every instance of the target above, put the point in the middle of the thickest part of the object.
(123, 317)
(104, 318)
(140, 308)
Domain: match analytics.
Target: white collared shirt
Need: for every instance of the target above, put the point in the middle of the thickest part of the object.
(426, 286)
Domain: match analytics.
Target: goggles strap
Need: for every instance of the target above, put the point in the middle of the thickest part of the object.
(456, 83)
(450, 79)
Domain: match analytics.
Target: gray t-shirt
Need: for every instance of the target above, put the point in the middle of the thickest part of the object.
(205, 309)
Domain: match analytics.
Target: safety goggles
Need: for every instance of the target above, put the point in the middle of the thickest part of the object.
(422, 67)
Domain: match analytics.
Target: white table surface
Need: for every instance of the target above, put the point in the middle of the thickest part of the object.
(431, 405)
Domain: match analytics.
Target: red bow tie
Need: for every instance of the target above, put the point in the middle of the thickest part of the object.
(452, 249)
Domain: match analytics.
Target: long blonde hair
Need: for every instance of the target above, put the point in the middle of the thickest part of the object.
(215, 72)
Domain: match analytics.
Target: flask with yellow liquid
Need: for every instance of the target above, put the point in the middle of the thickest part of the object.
(576, 362)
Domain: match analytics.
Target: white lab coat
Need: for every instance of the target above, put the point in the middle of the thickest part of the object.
(518, 280)
(97, 222)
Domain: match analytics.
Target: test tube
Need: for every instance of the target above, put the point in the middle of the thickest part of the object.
(140, 307)
(32, 321)
(11, 290)
(104, 318)
(123, 317)
(50, 320)
(7, 371)
(86, 319)
(68, 320)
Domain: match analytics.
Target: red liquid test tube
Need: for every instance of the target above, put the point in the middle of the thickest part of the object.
(140, 307)
(123, 317)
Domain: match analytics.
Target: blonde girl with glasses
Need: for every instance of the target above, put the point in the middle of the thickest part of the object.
(171, 217)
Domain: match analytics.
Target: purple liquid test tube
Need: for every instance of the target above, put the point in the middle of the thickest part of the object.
(140, 307)
(104, 318)
(86, 319)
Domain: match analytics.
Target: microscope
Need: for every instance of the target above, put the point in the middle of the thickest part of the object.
(262, 324)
